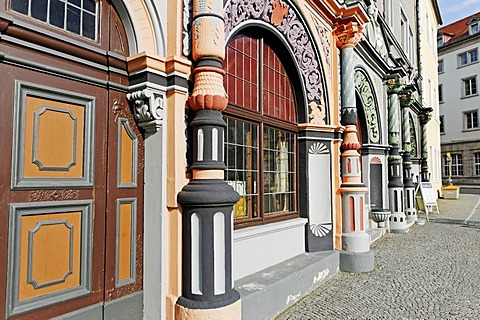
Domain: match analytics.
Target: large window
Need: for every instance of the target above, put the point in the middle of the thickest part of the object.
(476, 163)
(457, 165)
(260, 144)
(77, 16)
(471, 119)
(469, 86)
(467, 57)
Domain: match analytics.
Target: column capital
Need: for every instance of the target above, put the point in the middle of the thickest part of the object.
(348, 35)
(406, 99)
(395, 85)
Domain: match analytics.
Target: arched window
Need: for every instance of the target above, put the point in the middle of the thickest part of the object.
(260, 144)
(77, 16)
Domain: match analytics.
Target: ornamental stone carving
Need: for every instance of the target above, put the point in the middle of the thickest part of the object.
(317, 113)
(348, 35)
(208, 91)
(148, 108)
(365, 92)
(292, 28)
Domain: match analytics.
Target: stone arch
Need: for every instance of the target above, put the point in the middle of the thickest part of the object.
(144, 24)
(285, 21)
(369, 103)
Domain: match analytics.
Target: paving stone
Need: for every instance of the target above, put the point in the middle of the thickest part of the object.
(432, 272)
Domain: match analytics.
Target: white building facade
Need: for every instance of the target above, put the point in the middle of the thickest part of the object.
(458, 70)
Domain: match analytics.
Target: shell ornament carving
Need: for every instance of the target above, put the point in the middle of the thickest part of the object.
(293, 30)
(318, 148)
(321, 230)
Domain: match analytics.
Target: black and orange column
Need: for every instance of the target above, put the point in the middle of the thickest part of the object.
(207, 200)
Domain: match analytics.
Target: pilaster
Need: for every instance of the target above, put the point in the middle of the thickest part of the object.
(356, 255)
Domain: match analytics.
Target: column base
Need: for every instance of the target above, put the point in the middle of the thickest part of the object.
(230, 312)
(398, 223)
(411, 214)
(357, 262)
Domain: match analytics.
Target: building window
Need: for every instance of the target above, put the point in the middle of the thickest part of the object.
(440, 66)
(260, 152)
(467, 57)
(442, 124)
(474, 28)
(469, 86)
(440, 41)
(477, 163)
(404, 30)
(440, 93)
(77, 16)
(471, 119)
(457, 165)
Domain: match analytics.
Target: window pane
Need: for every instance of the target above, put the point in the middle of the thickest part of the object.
(473, 83)
(473, 56)
(57, 13)
(89, 5)
(73, 19)
(39, 9)
(20, 6)
(463, 59)
(75, 2)
(88, 26)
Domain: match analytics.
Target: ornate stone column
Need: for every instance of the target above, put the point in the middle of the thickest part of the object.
(408, 186)
(398, 221)
(356, 255)
(207, 200)
(424, 117)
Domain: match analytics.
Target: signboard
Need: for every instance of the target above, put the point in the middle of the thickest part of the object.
(429, 195)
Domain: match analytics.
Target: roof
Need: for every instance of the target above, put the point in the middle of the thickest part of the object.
(459, 29)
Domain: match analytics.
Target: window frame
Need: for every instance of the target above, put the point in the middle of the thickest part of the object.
(262, 120)
(96, 15)
(468, 58)
(442, 124)
(470, 124)
(442, 64)
(440, 93)
(471, 87)
(457, 165)
(476, 163)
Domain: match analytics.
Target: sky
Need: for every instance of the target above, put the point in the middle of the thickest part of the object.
(453, 10)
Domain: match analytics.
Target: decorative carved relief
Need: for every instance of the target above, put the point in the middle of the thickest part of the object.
(208, 91)
(413, 139)
(148, 108)
(368, 101)
(348, 35)
(317, 113)
(293, 30)
(376, 160)
(280, 11)
(187, 20)
(53, 195)
(325, 41)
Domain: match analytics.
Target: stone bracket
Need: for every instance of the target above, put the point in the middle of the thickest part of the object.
(148, 107)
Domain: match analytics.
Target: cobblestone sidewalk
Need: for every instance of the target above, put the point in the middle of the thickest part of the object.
(432, 272)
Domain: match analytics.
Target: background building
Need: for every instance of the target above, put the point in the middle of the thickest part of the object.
(202, 159)
(458, 72)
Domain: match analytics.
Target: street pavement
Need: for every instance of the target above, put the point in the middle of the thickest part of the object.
(432, 272)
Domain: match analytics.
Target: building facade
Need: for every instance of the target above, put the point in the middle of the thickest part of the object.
(202, 159)
(458, 70)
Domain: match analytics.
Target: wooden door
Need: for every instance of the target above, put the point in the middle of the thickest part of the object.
(71, 182)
